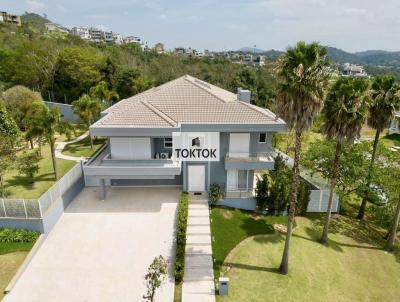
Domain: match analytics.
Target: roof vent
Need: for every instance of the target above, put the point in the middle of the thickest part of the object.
(244, 95)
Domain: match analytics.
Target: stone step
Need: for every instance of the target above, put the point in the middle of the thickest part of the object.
(198, 274)
(198, 230)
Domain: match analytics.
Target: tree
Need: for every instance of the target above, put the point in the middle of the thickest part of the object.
(87, 109)
(156, 274)
(304, 73)
(28, 164)
(279, 186)
(303, 198)
(47, 122)
(102, 92)
(262, 193)
(386, 101)
(131, 82)
(18, 101)
(9, 133)
(345, 112)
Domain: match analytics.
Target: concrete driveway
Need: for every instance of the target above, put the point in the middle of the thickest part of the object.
(100, 250)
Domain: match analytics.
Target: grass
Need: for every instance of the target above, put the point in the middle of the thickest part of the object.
(18, 186)
(353, 267)
(82, 148)
(391, 140)
(11, 257)
(229, 227)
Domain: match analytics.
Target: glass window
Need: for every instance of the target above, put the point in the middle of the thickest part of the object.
(167, 142)
(262, 138)
(242, 180)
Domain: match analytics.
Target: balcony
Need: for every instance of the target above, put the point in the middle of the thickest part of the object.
(244, 193)
(102, 165)
(249, 161)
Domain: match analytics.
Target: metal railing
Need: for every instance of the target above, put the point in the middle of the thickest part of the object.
(36, 208)
(249, 157)
(245, 193)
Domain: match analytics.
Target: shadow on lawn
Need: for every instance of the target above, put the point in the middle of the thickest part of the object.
(361, 232)
(254, 226)
(252, 267)
(25, 182)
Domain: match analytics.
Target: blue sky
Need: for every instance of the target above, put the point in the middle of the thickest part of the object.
(351, 25)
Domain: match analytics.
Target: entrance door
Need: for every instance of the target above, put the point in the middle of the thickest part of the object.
(196, 178)
(239, 144)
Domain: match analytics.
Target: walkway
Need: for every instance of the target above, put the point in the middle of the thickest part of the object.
(198, 282)
(61, 145)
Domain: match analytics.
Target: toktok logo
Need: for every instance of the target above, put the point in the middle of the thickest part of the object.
(196, 142)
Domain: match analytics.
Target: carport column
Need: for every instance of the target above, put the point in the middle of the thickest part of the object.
(104, 189)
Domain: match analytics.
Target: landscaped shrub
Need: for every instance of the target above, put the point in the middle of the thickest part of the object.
(303, 198)
(181, 237)
(215, 193)
(10, 235)
(262, 193)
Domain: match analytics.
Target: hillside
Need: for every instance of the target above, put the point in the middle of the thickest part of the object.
(34, 20)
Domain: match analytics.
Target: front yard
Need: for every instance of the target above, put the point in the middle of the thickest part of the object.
(351, 268)
(82, 148)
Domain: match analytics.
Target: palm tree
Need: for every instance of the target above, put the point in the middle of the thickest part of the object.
(304, 74)
(102, 92)
(386, 100)
(345, 111)
(46, 122)
(87, 109)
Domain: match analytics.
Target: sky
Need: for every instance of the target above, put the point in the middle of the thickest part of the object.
(352, 25)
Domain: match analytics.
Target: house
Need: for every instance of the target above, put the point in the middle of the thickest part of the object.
(10, 18)
(159, 48)
(132, 39)
(395, 124)
(185, 133)
(118, 39)
(353, 70)
(96, 34)
(82, 32)
(54, 27)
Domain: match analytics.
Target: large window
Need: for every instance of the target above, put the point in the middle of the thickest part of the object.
(167, 142)
(237, 180)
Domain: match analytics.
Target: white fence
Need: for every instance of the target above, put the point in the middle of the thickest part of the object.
(319, 201)
(36, 208)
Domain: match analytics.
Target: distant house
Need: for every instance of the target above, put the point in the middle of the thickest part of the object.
(108, 36)
(179, 50)
(10, 18)
(159, 48)
(395, 124)
(353, 70)
(118, 39)
(96, 34)
(54, 27)
(82, 32)
(132, 39)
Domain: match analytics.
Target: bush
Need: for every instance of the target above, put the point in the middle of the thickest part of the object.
(215, 193)
(303, 198)
(181, 237)
(262, 193)
(10, 235)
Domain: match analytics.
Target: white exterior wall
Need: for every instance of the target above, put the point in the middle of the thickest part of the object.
(132, 148)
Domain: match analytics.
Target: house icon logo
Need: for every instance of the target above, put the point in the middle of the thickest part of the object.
(196, 142)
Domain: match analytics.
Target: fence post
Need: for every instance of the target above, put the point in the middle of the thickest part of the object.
(4, 207)
(23, 202)
(320, 200)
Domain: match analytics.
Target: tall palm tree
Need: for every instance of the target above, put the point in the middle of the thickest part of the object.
(87, 109)
(345, 111)
(46, 122)
(304, 75)
(385, 102)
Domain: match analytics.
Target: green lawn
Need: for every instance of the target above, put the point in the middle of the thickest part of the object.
(18, 186)
(351, 268)
(229, 227)
(11, 257)
(391, 140)
(82, 148)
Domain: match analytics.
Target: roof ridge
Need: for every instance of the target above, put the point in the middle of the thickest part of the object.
(159, 113)
(259, 109)
(187, 78)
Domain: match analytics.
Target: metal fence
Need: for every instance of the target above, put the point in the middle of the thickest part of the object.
(319, 201)
(36, 208)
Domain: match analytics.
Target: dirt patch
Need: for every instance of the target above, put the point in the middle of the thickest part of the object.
(227, 214)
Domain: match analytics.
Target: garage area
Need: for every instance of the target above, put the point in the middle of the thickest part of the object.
(100, 250)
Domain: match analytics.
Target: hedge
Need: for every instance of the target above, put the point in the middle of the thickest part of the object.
(181, 237)
(11, 235)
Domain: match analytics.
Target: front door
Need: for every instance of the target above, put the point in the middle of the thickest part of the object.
(196, 178)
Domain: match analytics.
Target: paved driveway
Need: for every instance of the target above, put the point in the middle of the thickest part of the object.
(100, 250)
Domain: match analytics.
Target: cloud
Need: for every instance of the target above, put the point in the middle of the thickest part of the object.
(163, 16)
(355, 11)
(35, 6)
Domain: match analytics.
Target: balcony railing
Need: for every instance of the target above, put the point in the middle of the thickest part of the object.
(244, 193)
(249, 157)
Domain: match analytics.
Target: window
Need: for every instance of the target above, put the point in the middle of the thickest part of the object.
(167, 142)
(262, 139)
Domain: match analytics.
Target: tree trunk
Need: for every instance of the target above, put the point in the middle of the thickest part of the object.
(335, 169)
(40, 147)
(53, 158)
(90, 137)
(2, 186)
(361, 211)
(393, 231)
(31, 143)
(284, 267)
